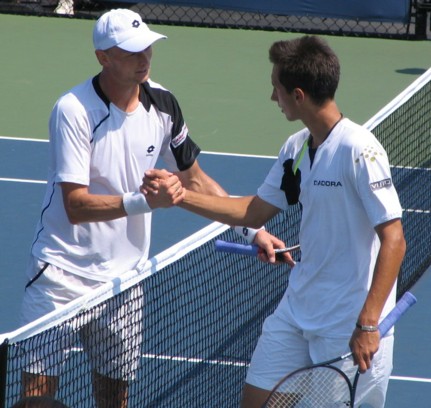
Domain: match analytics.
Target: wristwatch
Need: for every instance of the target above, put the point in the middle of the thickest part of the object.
(367, 328)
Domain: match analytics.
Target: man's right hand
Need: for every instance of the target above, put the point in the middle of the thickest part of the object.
(162, 189)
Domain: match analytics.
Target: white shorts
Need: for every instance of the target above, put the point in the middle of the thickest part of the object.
(283, 348)
(110, 334)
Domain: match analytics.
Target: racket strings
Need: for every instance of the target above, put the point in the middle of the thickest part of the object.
(318, 387)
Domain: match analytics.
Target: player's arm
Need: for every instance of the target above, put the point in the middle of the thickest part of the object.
(199, 185)
(392, 249)
(195, 179)
(250, 211)
(82, 206)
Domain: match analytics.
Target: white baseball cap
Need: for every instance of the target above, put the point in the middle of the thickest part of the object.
(125, 29)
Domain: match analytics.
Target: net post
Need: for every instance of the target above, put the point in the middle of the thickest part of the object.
(4, 347)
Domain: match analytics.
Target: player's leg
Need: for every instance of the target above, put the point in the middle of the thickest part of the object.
(48, 288)
(109, 392)
(38, 385)
(113, 341)
(253, 396)
(324, 349)
(373, 384)
(36, 303)
(280, 350)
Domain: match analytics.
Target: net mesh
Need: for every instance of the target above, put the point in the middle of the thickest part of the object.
(405, 133)
(203, 310)
(201, 320)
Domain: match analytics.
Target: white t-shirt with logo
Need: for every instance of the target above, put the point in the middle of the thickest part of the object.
(344, 194)
(95, 144)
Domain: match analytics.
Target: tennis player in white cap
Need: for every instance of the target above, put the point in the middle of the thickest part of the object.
(95, 223)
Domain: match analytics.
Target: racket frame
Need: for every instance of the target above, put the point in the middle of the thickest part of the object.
(403, 304)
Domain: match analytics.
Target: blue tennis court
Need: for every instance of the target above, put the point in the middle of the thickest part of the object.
(22, 175)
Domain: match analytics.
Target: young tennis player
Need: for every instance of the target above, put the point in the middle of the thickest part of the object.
(95, 224)
(351, 236)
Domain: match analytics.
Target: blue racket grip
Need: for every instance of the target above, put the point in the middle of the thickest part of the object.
(235, 248)
(406, 301)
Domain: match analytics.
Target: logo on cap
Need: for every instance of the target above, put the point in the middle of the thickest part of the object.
(136, 23)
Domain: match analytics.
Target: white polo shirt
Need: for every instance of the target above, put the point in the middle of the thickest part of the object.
(93, 143)
(344, 194)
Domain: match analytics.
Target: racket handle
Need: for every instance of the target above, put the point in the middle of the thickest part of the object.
(400, 308)
(235, 248)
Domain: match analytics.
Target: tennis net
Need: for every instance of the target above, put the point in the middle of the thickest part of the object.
(203, 310)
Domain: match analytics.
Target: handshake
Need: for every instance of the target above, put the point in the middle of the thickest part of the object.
(162, 189)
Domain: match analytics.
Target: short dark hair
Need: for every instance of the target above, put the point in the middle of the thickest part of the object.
(307, 63)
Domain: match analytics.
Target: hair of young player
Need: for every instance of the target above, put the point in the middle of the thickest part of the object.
(307, 63)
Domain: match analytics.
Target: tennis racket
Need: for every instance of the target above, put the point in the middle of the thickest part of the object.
(250, 249)
(324, 385)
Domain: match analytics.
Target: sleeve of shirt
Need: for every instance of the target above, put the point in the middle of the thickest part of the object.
(375, 185)
(271, 189)
(184, 150)
(281, 187)
(70, 142)
(179, 151)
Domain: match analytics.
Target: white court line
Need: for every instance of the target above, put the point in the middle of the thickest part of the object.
(210, 153)
(413, 379)
(24, 139)
(14, 180)
(409, 210)
(417, 211)
(411, 168)
(243, 364)
(197, 360)
(239, 155)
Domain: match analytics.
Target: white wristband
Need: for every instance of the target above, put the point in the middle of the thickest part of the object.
(248, 233)
(135, 203)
